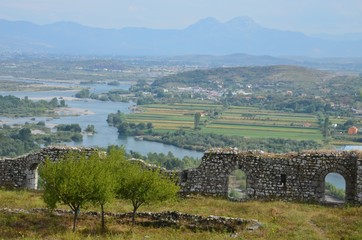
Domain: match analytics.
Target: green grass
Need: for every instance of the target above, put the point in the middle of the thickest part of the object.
(262, 134)
(281, 220)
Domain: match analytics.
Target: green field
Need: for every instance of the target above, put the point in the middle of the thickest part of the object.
(242, 121)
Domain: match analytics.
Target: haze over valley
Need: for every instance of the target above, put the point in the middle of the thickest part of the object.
(244, 100)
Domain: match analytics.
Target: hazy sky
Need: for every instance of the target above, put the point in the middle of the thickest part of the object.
(308, 16)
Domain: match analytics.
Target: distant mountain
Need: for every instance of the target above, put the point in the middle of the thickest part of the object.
(208, 36)
(340, 37)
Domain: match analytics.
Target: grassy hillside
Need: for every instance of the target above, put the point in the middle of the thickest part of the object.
(281, 220)
(269, 85)
(265, 75)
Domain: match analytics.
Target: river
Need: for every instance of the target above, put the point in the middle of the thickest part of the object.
(105, 135)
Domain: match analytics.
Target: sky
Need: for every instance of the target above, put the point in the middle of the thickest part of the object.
(307, 16)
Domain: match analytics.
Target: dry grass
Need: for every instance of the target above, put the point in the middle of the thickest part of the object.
(281, 220)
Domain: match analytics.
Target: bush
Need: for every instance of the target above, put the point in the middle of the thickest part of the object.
(69, 128)
(77, 137)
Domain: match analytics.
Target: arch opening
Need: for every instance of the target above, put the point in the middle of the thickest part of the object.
(32, 177)
(237, 185)
(334, 188)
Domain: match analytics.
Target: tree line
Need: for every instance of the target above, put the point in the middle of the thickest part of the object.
(125, 128)
(19, 139)
(202, 141)
(15, 142)
(14, 106)
(168, 161)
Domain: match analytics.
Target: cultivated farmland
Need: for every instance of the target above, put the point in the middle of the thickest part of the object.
(243, 121)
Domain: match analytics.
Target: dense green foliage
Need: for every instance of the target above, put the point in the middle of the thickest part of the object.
(14, 106)
(115, 119)
(125, 128)
(69, 128)
(15, 142)
(203, 141)
(168, 161)
(78, 179)
(49, 138)
(90, 129)
(334, 191)
(20, 139)
(69, 181)
(250, 75)
(84, 93)
(113, 95)
(142, 186)
(105, 180)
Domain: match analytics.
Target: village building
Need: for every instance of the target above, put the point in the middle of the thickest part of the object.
(352, 130)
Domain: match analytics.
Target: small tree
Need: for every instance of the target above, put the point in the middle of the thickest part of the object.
(68, 181)
(326, 125)
(105, 179)
(149, 125)
(24, 134)
(197, 118)
(62, 103)
(143, 186)
(90, 129)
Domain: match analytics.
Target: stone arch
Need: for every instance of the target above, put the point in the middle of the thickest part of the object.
(30, 170)
(345, 173)
(32, 176)
(239, 166)
(237, 185)
(337, 183)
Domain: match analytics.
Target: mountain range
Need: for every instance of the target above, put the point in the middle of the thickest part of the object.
(208, 36)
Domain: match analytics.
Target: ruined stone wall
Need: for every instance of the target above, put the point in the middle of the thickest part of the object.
(359, 181)
(161, 219)
(298, 177)
(21, 172)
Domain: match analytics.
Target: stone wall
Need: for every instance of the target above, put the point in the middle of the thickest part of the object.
(359, 181)
(22, 172)
(297, 177)
(162, 219)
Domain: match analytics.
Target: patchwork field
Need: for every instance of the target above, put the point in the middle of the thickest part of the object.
(242, 121)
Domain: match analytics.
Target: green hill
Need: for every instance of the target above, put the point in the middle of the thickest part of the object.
(257, 76)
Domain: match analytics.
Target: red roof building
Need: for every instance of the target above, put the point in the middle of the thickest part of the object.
(352, 130)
